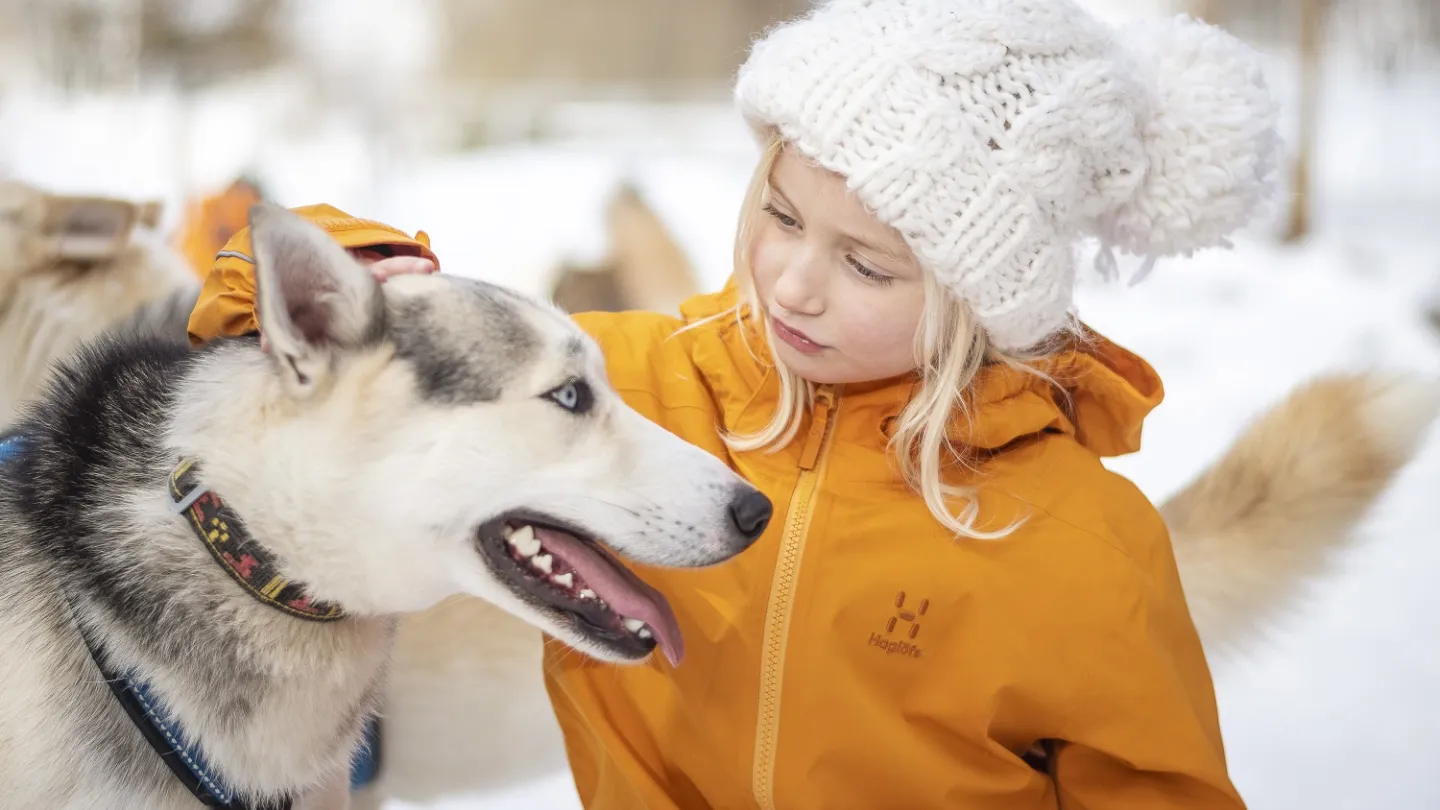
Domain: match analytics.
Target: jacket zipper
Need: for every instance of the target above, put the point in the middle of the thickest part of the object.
(782, 595)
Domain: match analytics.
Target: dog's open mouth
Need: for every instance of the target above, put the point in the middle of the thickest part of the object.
(570, 572)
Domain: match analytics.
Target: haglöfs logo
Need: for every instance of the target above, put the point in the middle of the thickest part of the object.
(908, 630)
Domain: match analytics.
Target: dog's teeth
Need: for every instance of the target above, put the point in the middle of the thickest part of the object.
(544, 562)
(586, 593)
(565, 580)
(643, 632)
(507, 531)
(524, 541)
(634, 625)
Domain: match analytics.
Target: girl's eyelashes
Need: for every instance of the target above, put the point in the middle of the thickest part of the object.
(784, 219)
(874, 276)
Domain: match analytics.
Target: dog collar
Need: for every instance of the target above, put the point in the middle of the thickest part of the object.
(244, 559)
(251, 565)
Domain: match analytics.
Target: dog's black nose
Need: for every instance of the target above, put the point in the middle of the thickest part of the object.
(750, 512)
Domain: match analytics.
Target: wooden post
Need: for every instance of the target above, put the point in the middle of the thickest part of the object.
(1204, 10)
(1312, 14)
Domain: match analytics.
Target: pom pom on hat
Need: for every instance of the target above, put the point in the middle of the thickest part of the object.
(1211, 139)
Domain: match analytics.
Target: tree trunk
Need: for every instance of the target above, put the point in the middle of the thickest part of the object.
(1207, 10)
(1312, 14)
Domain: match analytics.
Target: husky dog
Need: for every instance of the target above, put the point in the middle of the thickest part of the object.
(213, 545)
(72, 267)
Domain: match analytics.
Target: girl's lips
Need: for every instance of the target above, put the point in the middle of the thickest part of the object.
(795, 338)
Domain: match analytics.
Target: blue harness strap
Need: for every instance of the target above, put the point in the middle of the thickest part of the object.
(367, 760)
(185, 759)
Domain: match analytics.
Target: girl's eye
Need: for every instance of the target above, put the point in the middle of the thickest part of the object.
(784, 219)
(869, 275)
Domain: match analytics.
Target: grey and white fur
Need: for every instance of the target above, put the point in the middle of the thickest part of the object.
(375, 449)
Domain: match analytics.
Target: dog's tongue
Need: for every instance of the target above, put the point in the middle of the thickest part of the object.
(626, 594)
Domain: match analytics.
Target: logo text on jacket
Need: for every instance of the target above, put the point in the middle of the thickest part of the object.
(907, 623)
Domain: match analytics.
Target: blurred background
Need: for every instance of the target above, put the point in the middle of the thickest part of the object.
(587, 150)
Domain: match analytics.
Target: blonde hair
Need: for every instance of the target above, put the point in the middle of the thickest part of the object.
(952, 349)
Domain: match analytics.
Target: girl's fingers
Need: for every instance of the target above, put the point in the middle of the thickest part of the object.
(389, 267)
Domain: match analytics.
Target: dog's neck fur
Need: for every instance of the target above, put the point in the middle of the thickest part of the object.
(276, 702)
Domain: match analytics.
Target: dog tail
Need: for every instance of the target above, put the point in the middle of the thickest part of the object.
(1263, 521)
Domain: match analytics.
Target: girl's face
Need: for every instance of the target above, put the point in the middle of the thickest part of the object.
(843, 291)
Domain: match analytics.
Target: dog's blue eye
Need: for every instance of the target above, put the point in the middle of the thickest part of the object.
(574, 396)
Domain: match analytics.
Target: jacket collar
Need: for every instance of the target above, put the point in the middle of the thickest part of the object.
(1101, 392)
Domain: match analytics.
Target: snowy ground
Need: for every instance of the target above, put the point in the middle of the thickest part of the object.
(1334, 709)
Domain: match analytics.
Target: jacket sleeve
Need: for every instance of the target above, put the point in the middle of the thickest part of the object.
(1144, 729)
(226, 305)
(649, 363)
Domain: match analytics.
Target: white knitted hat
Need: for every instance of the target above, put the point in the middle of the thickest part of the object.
(993, 134)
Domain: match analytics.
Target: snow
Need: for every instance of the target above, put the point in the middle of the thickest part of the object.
(1334, 708)
(514, 214)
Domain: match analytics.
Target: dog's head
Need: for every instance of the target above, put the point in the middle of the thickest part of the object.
(38, 227)
(467, 439)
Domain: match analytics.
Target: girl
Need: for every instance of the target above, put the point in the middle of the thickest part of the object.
(957, 604)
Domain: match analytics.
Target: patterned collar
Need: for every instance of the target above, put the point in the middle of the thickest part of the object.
(242, 557)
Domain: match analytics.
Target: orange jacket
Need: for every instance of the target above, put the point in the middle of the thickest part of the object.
(211, 221)
(857, 655)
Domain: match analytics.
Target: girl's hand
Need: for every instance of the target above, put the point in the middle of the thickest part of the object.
(382, 267)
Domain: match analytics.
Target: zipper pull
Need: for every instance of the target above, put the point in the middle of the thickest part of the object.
(824, 402)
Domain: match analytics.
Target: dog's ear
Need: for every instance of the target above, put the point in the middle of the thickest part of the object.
(314, 301)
